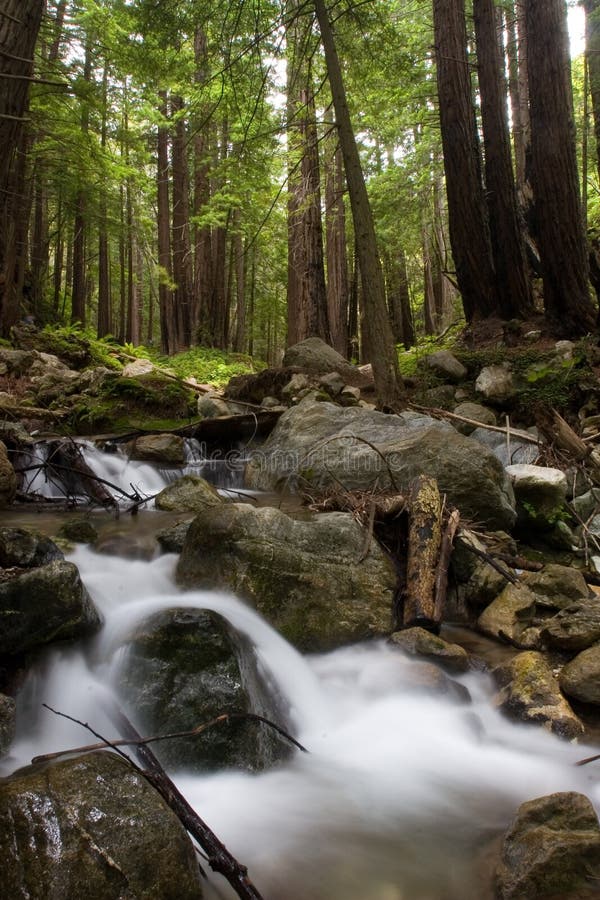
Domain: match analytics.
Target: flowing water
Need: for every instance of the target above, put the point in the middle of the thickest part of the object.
(401, 793)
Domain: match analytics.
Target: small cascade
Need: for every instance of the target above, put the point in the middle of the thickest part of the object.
(399, 793)
(55, 470)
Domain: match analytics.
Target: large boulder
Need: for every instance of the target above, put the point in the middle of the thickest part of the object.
(181, 671)
(530, 692)
(551, 851)
(541, 493)
(444, 363)
(421, 643)
(91, 827)
(580, 678)
(321, 444)
(8, 478)
(556, 586)
(315, 356)
(512, 617)
(45, 604)
(26, 549)
(308, 578)
(574, 628)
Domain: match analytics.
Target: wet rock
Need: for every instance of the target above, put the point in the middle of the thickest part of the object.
(45, 604)
(91, 827)
(541, 493)
(191, 493)
(518, 451)
(7, 722)
(530, 692)
(182, 670)
(126, 545)
(446, 364)
(551, 851)
(171, 540)
(512, 617)
(580, 678)
(55, 385)
(307, 578)
(8, 479)
(556, 586)
(26, 549)
(496, 384)
(163, 449)
(574, 628)
(586, 504)
(323, 444)
(418, 642)
(80, 531)
(476, 581)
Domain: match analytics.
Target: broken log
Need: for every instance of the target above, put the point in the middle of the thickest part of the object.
(424, 548)
(559, 433)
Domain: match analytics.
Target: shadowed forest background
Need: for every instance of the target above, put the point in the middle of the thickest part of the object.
(243, 175)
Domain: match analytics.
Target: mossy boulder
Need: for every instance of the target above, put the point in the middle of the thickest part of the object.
(580, 678)
(8, 478)
(45, 604)
(79, 530)
(91, 827)
(530, 692)
(25, 548)
(308, 578)
(574, 628)
(512, 617)
(551, 851)
(421, 643)
(190, 493)
(556, 586)
(181, 671)
(7, 722)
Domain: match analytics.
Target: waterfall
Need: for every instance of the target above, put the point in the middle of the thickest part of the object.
(399, 793)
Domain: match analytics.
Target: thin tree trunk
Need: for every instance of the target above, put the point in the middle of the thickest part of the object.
(203, 274)
(104, 294)
(78, 295)
(168, 329)
(182, 251)
(336, 247)
(384, 359)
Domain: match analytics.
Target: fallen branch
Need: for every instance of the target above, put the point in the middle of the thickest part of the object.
(490, 560)
(443, 414)
(123, 742)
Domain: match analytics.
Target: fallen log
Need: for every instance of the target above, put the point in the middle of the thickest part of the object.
(424, 549)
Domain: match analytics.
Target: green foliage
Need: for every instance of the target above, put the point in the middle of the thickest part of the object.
(207, 365)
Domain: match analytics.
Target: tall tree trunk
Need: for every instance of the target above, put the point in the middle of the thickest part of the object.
(513, 287)
(559, 223)
(182, 251)
(19, 26)
(592, 53)
(384, 359)
(336, 248)
(219, 300)
(469, 228)
(203, 274)
(79, 291)
(307, 296)
(104, 294)
(239, 265)
(168, 324)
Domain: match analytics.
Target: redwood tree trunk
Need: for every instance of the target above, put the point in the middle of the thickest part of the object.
(168, 325)
(558, 217)
(469, 229)
(336, 248)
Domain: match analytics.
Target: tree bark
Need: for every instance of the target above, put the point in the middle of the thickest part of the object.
(182, 251)
(203, 274)
(513, 287)
(336, 247)
(558, 218)
(388, 383)
(168, 325)
(469, 227)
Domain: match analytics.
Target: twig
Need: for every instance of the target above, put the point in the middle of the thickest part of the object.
(442, 414)
(490, 560)
(122, 742)
(589, 759)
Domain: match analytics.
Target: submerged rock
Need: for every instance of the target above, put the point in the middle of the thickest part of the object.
(46, 604)
(308, 578)
(421, 643)
(551, 851)
(320, 444)
(530, 692)
(91, 827)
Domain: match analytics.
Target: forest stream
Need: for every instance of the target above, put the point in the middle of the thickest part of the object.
(401, 793)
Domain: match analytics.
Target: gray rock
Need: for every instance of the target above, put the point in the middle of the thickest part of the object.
(418, 642)
(211, 406)
(91, 827)
(333, 383)
(585, 504)
(307, 578)
(511, 616)
(477, 413)
(518, 451)
(45, 604)
(581, 677)
(26, 549)
(138, 367)
(7, 722)
(574, 628)
(270, 403)
(8, 478)
(55, 385)
(323, 444)
(530, 692)
(541, 493)
(297, 383)
(16, 362)
(556, 586)
(182, 670)
(316, 357)
(446, 364)
(163, 449)
(551, 851)
(496, 384)
(172, 539)
(350, 396)
(190, 493)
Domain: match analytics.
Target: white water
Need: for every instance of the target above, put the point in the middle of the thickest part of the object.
(399, 792)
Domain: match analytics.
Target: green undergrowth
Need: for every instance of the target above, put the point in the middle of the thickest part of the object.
(208, 365)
